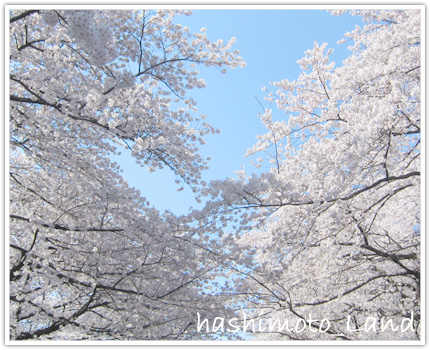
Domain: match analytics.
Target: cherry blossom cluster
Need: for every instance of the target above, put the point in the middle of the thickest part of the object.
(124, 79)
(333, 227)
(50, 17)
(92, 36)
(100, 259)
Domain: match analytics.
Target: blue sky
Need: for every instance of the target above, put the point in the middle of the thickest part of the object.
(270, 41)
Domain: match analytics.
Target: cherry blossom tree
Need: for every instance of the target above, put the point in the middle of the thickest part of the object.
(329, 237)
(89, 257)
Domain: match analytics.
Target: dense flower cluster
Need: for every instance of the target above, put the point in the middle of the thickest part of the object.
(90, 258)
(333, 229)
(94, 37)
(50, 17)
(125, 79)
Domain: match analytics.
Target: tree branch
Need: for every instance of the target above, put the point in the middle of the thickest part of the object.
(23, 15)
